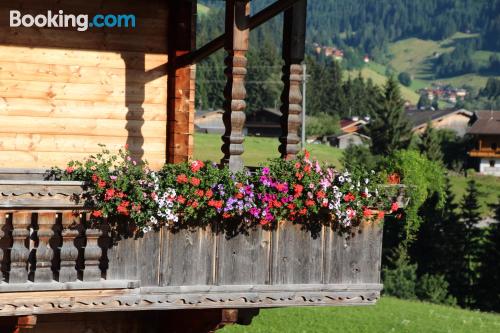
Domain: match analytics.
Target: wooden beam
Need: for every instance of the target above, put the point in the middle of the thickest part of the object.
(294, 31)
(180, 104)
(236, 45)
(255, 21)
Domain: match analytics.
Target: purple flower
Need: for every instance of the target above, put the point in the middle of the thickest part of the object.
(265, 171)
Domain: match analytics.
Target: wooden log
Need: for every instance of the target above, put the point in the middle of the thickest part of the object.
(291, 97)
(93, 253)
(236, 46)
(19, 253)
(69, 252)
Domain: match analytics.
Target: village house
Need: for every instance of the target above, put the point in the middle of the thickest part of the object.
(485, 128)
(62, 93)
(454, 120)
(209, 122)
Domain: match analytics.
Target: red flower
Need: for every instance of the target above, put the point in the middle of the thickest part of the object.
(120, 195)
(298, 189)
(216, 203)
(367, 212)
(299, 175)
(110, 193)
(239, 185)
(95, 178)
(394, 179)
(226, 216)
(181, 199)
(297, 165)
(70, 169)
(182, 179)
(380, 215)
(264, 222)
(309, 203)
(394, 207)
(307, 169)
(97, 213)
(320, 195)
(307, 154)
(126, 146)
(199, 193)
(101, 184)
(209, 193)
(195, 181)
(239, 195)
(123, 208)
(349, 197)
(196, 166)
(194, 204)
(136, 208)
(303, 211)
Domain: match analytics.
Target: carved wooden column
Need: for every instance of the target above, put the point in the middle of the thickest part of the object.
(236, 45)
(19, 253)
(93, 254)
(69, 252)
(44, 253)
(3, 224)
(294, 30)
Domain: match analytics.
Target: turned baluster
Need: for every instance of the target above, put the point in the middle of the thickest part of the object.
(44, 252)
(69, 252)
(19, 253)
(3, 223)
(291, 98)
(236, 45)
(92, 257)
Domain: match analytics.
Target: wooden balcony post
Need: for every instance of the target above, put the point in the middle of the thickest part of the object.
(3, 224)
(294, 31)
(44, 252)
(19, 253)
(69, 252)
(93, 253)
(236, 46)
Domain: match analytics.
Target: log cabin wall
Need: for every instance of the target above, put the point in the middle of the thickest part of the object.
(62, 92)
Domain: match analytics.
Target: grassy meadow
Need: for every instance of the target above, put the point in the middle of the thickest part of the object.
(389, 315)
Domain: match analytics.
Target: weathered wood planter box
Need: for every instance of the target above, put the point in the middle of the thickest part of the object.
(51, 264)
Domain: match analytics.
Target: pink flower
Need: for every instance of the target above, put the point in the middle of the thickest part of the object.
(394, 207)
(70, 169)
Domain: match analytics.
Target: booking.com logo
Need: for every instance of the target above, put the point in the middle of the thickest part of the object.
(81, 22)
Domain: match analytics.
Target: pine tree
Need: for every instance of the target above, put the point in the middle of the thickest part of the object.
(430, 145)
(389, 128)
(488, 291)
(469, 218)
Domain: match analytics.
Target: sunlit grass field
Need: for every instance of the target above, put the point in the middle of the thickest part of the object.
(389, 315)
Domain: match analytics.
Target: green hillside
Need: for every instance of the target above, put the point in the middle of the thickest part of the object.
(390, 315)
(416, 56)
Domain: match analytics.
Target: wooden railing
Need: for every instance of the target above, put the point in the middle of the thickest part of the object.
(46, 248)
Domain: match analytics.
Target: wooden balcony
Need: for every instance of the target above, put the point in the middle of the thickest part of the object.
(485, 152)
(52, 263)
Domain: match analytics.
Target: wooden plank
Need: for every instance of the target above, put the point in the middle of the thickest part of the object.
(187, 257)
(47, 160)
(75, 126)
(68, 57)
(76, 144)
(244, 259)
(354, 258)
(73, 39)
(82, 74)
(130, 93)
(297, 255)
(81, 109)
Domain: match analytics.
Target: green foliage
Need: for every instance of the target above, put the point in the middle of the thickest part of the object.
(359, 158)
(322, 124)
(458, 62)
(424, 102)
(405, 79)
(423, 178)
(470, 216)
(488, 291)
(401, 280)
(430, 145)
(434, 289)
(389, 127)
